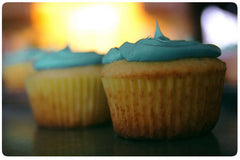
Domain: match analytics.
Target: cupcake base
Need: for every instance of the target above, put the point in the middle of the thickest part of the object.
(68, 98)
(169, 105)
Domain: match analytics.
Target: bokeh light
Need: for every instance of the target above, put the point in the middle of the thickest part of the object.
(89, 26)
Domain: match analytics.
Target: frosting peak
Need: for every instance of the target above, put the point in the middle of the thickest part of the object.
(158, 33)
(160, 48)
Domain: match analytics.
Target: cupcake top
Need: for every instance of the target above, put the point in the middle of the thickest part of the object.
(160, 48)
(66, 58)
(21, 56)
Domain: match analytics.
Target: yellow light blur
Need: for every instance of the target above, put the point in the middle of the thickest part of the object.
(89, 26)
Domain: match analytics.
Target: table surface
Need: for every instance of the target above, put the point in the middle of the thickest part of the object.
(22, 136)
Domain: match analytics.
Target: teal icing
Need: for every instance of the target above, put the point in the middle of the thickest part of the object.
(66, 58)
(22, 56)
(160, 48)
(66, 49)
(112, 55)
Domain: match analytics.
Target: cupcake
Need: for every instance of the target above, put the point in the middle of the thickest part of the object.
(66, 91)
(159, 88)
(17, 66)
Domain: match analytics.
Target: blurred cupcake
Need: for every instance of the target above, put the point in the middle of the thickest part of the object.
(17, 66)
(158, 88)
(67, 90)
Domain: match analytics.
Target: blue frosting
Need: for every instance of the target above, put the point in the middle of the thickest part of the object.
(21, 56)
(66, 58)
(160, 48)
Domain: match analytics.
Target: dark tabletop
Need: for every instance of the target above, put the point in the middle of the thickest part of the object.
(22, 136)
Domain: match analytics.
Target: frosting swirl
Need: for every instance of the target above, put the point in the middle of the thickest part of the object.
(66, 58)
(160, 48)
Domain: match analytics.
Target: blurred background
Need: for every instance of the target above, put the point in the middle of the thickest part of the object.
(101, 26)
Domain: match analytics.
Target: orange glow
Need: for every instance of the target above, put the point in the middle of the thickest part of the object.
(89, 26)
